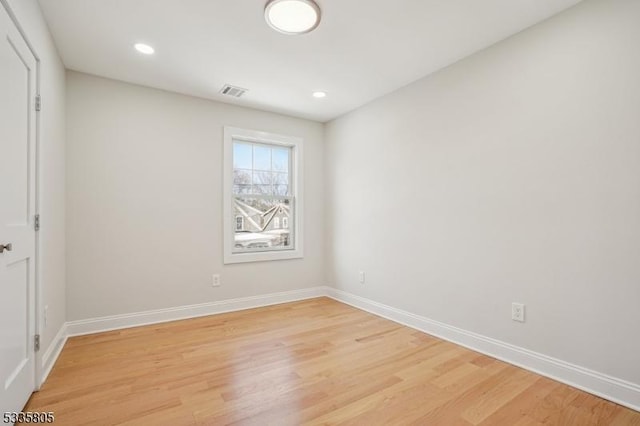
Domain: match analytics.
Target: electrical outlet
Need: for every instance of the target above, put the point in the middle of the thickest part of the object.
(361, 277)
(517, 312)
(216, 280)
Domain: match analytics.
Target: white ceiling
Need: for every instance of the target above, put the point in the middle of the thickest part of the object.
(361, 50)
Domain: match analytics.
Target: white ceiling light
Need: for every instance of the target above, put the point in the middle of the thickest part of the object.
(319, 94)
(144, 48)
(292, 16)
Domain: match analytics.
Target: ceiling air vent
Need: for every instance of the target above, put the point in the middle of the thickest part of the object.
(234, 91)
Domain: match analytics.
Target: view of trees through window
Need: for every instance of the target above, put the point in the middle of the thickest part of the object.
(263, 203)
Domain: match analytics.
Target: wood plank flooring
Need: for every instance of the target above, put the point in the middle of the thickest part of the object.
(313, 362)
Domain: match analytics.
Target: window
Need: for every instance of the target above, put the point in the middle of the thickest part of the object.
(262, 196)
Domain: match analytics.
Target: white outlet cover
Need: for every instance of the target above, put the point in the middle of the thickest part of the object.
(361, 277)
(216, 280)
(517, 312)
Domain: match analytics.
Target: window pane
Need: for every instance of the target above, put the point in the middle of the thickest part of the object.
(266, 224)
(281, 159)
(262, 189)
(241, 155)
(281, 189)
(281, 178)
(261, 157)
(241, 181)
(242, 189)
(241, 177)
(262, 178)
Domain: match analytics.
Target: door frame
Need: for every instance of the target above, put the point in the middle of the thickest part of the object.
(39, 309)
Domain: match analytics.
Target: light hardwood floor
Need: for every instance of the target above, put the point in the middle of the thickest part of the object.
(311, 362)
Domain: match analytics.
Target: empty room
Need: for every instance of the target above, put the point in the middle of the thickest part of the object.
(320, 212)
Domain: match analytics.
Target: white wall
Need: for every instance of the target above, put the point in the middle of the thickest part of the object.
(144, 208)
(52, 169)
(513, 175)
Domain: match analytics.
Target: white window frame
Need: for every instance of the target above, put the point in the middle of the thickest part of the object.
(232, 134)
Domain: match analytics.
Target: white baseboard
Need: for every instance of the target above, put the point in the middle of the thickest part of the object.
(116, 322)
(50, 356)
(607, 387)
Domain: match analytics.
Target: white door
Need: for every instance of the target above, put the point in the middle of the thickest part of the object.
(17, 210)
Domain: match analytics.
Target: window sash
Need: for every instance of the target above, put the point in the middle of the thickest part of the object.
(274, 184)
(291, 229)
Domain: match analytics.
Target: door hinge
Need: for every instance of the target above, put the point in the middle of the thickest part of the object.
(38, 102)
(36, 222)
(36, 342)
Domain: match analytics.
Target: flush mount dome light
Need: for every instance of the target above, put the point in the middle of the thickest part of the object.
(292, 16)
(144, 48)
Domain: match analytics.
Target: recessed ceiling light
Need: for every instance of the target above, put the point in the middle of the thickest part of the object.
(319, 94)
(144, 48)
(292, 16)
